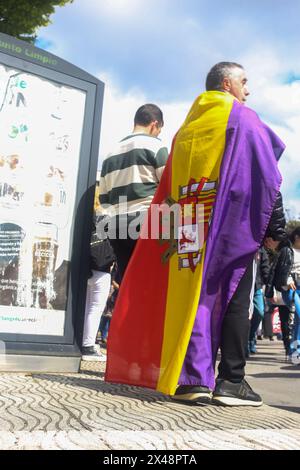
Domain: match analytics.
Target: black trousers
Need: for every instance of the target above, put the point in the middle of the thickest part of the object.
(123, 250)
(235, 331)
(267, 323)
(122, 242)
(286, 320)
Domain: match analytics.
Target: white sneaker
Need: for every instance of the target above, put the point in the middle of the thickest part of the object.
(92, 354)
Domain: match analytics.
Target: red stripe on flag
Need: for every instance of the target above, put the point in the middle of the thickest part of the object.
(134, 353)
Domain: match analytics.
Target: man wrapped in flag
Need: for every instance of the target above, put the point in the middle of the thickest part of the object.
(188, 294)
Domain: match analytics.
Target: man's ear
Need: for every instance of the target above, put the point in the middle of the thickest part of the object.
(153, 127)
(226, 84)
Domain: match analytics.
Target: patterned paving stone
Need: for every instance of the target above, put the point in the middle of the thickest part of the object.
(81, 411)
(259, 439)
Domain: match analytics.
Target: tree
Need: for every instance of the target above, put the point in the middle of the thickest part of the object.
(291, 225)
(21, 18)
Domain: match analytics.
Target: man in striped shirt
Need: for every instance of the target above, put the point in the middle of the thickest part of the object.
(129, 178)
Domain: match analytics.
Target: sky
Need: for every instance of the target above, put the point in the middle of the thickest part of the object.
(160, 51)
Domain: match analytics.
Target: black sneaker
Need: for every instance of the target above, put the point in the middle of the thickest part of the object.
(235, 394)
(192, 394)
(92, 354)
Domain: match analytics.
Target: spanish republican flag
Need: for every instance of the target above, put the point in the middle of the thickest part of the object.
(222, 174)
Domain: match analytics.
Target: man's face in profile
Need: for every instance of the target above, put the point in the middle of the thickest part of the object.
(236, 84)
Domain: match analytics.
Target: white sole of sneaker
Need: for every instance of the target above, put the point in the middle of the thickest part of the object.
(93, 359)
(230, 401)
(192, 397)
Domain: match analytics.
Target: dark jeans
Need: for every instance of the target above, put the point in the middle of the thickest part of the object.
(104, 326)
(258, 313)
(290, 298)
(235, 331)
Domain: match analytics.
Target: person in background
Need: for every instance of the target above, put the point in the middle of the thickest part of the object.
(277, 287)
(286, 323)
(291, 292)
(262, 275)
(107, 314)
(268, 321)
(129, 178)
(101, 261)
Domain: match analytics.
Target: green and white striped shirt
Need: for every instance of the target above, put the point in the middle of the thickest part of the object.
(132, 171)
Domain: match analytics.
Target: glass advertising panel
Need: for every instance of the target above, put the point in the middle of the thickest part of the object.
(41, 124)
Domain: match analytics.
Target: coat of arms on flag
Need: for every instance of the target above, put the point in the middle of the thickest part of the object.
(189, 229)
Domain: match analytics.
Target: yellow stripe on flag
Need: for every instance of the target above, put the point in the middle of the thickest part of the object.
(197, 154)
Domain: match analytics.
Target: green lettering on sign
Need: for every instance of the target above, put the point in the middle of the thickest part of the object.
(29, 53)
(42, 58)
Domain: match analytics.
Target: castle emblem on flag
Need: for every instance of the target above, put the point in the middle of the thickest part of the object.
(189, 231)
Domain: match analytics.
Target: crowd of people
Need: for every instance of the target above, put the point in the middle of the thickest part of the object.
(277, 288)
(240, 289)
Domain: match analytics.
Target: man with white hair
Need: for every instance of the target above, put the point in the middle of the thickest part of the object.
(178, 311)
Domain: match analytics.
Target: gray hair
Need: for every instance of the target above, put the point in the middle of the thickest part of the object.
(218, 72)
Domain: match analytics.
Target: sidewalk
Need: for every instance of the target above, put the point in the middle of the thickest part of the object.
(80, 411)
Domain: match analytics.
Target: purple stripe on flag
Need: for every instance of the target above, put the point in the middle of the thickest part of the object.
(249, 183)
